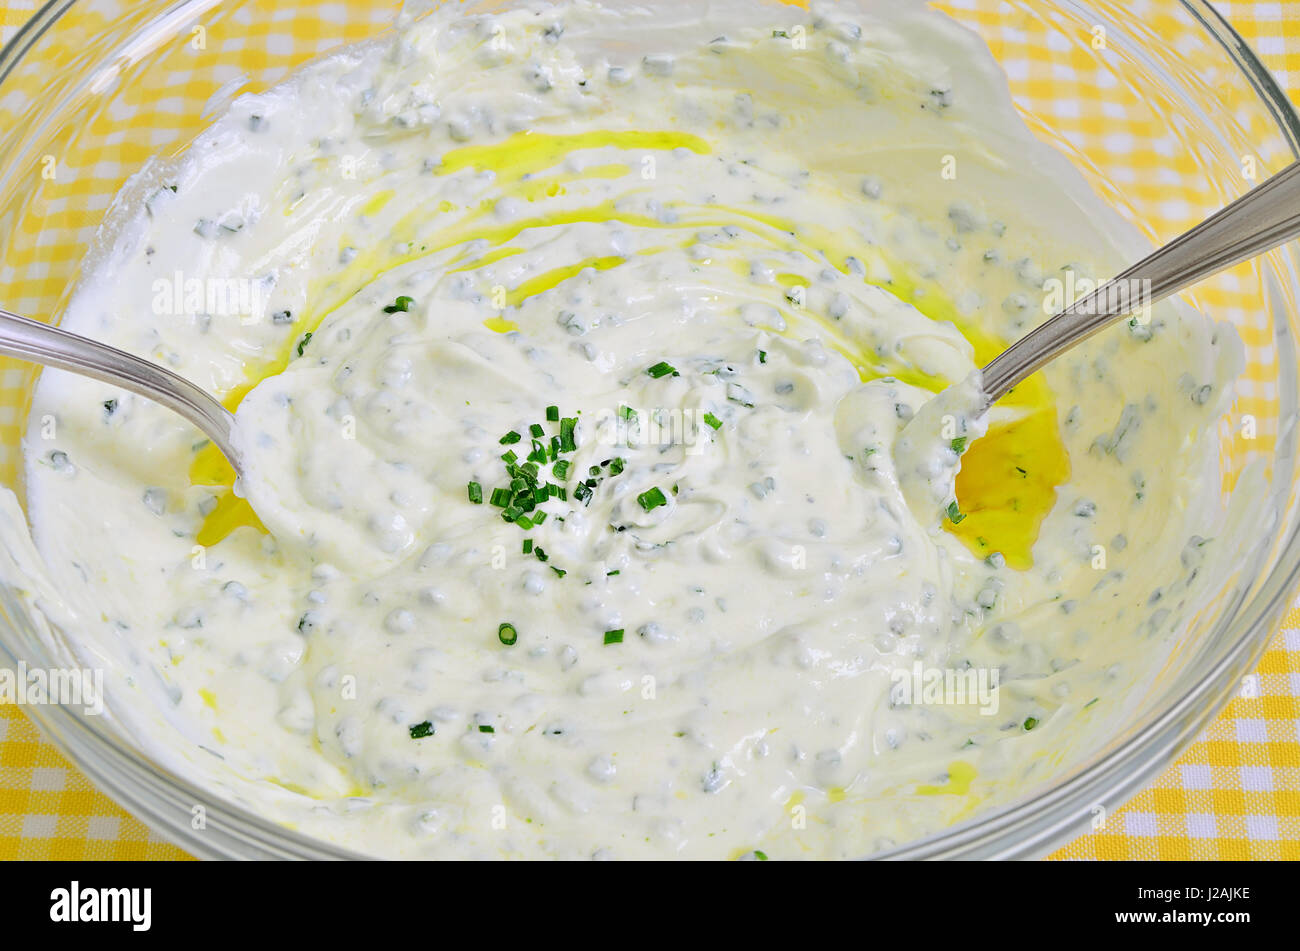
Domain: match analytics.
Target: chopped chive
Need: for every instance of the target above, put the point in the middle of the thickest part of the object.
(510, 438)
(662, 369)
(303, 342)
(507, 634)
(476, 493)
(500, 498)
(484, 728)
(539, 518)
(626, 413)
(568, 426)
(561, 469)
(528, 546)
(760, 856)
(614, 637)
(509, 457)
(420, 730)
(954, 513)
(1030, 723)
(524, 522)
(552, 414)
(559, 571)
(713, 420)
(958, 445)
(540, 552)
(402, 304)
(616, 466)
(651, 499)
(762, 356)
(537, 430)
(610, 574)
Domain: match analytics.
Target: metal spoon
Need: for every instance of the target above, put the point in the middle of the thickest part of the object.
(1262, 219)
(41, 343)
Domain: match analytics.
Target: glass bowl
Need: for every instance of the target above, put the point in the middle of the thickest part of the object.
(1158, 103)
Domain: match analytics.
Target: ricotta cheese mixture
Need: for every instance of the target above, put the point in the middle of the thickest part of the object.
(574, 353)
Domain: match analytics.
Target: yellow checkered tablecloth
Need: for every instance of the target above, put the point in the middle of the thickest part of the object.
(1234, 794)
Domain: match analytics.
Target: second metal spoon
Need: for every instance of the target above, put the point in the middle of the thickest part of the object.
(31, 340)
(1260, 220)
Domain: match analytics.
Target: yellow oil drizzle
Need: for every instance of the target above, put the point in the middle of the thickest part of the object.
(960, 776)
(554, 278)
(500, 325)
(493, 256)
(527, 152)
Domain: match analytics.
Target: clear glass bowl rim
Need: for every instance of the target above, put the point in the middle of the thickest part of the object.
(1026, 828)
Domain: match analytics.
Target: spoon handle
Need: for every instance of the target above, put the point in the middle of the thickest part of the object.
(1266, 216)
(40, 343)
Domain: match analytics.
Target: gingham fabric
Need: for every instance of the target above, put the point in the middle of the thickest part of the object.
(1234, 794)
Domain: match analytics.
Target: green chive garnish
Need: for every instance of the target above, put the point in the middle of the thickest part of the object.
(568, 426)
(484, 728)
(402, 304)
(500, 498)
(713, 420)
(662, 369)
(1030, 723)
(476, 493)
(652, 499)
(421, 730)
(510, 438)
(507, 634)
(954, 513)
(761, 856)
(614, 637)
(959, 445)
(303, 342)
(552, 414)
(528, 546)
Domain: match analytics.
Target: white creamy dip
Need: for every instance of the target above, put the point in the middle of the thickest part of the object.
(702, 262)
